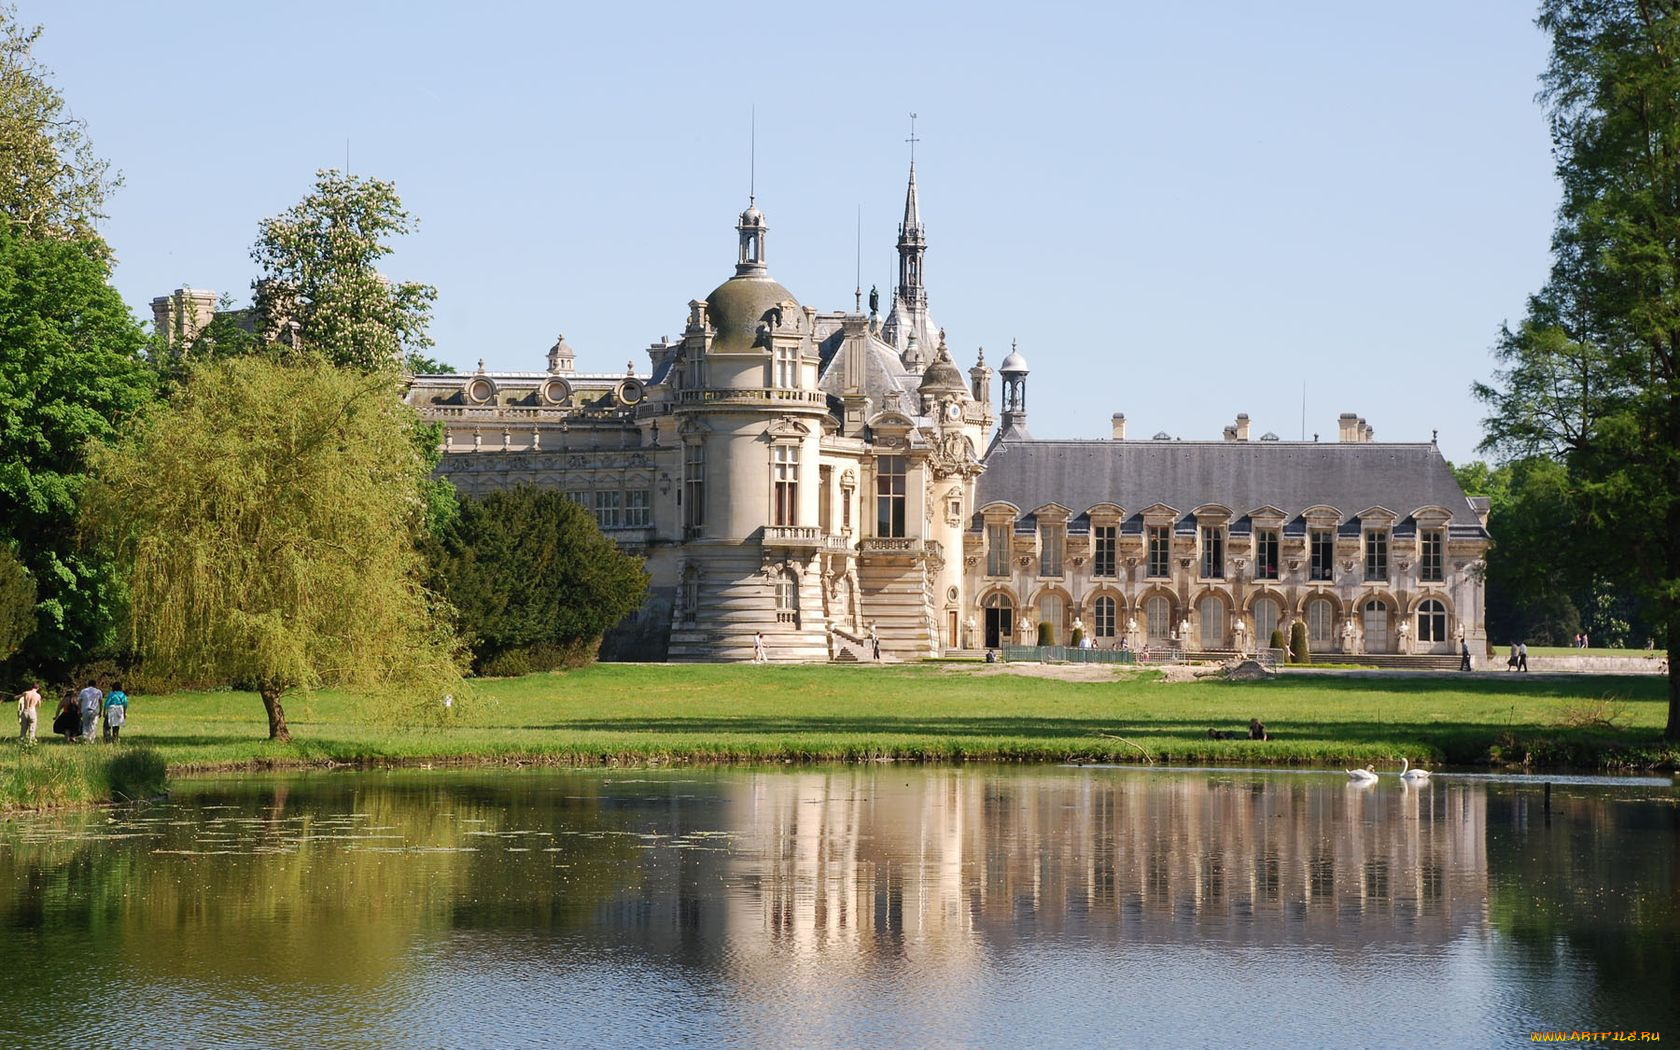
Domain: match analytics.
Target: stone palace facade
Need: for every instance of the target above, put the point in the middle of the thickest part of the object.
(814, 476)
(826, 478)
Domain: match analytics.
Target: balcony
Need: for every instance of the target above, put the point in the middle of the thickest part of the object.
(804, 537)
(892, 545)
(754, 397)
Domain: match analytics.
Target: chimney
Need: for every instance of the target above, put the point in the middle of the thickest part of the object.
(1366, 434)
(1242, 426)
(1347, 427)
(1119, 426)
(1229, 433)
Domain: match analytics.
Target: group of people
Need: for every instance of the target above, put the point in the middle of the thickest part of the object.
(1518, 660)
(1582, 641)
(79, 714)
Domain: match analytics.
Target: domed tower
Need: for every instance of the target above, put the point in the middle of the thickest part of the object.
(748, 418)
(1014, 421)
(954, 433)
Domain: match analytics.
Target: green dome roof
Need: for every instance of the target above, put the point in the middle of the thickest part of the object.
(738, 306)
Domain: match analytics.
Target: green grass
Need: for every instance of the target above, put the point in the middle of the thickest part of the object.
(619, 713)
(1566, 650)
(51, 775)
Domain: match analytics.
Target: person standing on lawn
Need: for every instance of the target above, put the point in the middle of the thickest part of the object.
(91, 700)
(29, 705)
(1522, 656)
(116, 712)
(1463, 655)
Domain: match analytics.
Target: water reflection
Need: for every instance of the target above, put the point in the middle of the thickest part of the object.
(854, 906)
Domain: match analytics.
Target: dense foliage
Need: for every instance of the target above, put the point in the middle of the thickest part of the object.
(51, 183)
(17, 603)
(320, 287)
(72, 373)
(533, 580)
(266, 517)
(1591, 376)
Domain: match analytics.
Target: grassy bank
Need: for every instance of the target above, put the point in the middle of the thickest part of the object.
(615, 713)
(51, 775)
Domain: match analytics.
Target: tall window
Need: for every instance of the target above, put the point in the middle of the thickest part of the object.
(1432, 622)
(1212, 615)
(608, 509)
(694, 372)
(889, 496)
(1266, 555)
(1157, 616)
(690, 592)
(1160, 551)
(1430, 567)
(1265, 620)
(846, 508)
(997, 548)
(1108, 539)
(1376, 554)
(784, 467)
(787, 367)
(1213, 552)
(1322, 551)
(787, 598)
(638, 509)
(1105, 614)
(1321, 624)
(1052, 542)
(694, 486)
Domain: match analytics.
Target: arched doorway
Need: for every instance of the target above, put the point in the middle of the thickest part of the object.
(1376, 626)
(1431, 623)
(1265, 620)
(1211, 611)
(1157, 617)
(1000, 620)
(1052, 610)
(1321, 625)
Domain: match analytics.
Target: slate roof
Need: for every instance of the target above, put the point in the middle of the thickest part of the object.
(1240, 475)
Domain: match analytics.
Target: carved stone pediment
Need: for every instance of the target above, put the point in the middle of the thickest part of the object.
(786, 427)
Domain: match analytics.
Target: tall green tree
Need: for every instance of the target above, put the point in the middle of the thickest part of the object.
(72, 373)
(51, 183)
(17, 603)
(320, 285)
(266, 518)
(1591, 377)
(530, 573)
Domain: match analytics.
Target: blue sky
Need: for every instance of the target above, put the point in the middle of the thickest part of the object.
(1182, 212)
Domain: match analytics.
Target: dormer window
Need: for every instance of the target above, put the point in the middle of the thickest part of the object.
(1376, 555)
(1213, 552)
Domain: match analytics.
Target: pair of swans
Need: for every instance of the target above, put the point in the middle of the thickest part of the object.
(1368, 775)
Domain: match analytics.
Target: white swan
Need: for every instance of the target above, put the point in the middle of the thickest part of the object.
(1362, 776)
(1413, 775)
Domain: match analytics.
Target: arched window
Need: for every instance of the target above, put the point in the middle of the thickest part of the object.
(1321, 624)
(1432, 622)
(1050, 611)
(1105, 613)
(1212, 612)
(1265, 620)
(1157, 615)
(787, 598)
(1376, 626)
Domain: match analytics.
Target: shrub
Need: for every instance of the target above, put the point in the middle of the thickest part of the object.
(1298, 653)
(1046, 633)
(512, 663)
(1276, 641)
(1077, 637)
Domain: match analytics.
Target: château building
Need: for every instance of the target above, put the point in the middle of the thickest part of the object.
(824, 478)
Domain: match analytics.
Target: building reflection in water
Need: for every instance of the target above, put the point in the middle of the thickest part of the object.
(960, 857)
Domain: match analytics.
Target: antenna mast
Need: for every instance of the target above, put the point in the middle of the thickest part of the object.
(857, 293)
(752, 158)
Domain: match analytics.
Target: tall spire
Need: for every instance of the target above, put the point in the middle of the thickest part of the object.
(908, 327)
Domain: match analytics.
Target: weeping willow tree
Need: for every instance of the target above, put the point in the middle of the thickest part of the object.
(266, 519)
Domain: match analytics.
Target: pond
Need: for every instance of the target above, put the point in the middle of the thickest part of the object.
(875, 906)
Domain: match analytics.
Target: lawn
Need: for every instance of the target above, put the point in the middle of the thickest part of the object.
(934, 712)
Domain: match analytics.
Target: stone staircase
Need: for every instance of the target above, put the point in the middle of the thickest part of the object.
(892, 596)
(736, 602)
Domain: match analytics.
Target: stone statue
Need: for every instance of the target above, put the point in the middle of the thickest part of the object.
(1348, 632)
(874, 300)
(1403, 633)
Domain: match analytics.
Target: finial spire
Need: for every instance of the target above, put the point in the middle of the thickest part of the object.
(752, 157)
(857, 292)
(912, 140)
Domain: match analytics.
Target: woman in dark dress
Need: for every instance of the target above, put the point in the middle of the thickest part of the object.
(67, 722)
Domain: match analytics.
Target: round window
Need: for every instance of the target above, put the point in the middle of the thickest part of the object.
(480, 390)
(556, 391)
(629, 392)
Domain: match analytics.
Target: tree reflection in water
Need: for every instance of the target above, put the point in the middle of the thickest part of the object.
(863, 905)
